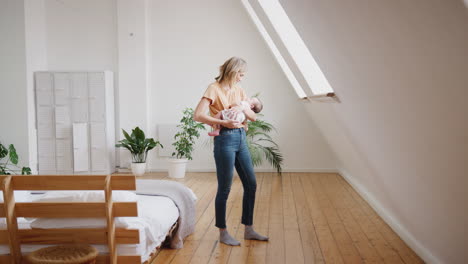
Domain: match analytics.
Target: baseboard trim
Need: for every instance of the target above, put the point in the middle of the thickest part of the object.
(405, 235)
(313, 170)
(319, 170)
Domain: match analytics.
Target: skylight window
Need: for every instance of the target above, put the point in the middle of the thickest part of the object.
(289, 74)
(295, 46)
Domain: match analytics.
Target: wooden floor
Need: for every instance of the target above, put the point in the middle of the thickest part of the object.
(309, 217)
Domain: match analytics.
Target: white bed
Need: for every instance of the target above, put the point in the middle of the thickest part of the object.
(156, 216)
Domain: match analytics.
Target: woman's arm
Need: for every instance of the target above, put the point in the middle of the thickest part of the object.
(200, 116)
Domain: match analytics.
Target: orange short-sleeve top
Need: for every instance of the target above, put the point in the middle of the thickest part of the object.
(221, 99)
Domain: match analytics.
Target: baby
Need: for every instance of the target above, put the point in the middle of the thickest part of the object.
(236, 112)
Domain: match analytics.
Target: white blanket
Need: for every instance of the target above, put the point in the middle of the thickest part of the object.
(182, 196)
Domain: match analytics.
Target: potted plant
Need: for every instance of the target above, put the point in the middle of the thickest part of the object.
(184, 142)
(11, 160)
(262, 146)
(138, 145)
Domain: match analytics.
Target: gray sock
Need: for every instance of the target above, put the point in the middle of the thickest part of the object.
(226, 238)
(250, 234)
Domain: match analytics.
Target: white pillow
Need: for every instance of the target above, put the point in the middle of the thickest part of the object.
(81, 196)
(23, 223)
(20, 196)
(85, 196)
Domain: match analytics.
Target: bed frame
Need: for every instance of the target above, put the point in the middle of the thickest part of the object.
(111, 236)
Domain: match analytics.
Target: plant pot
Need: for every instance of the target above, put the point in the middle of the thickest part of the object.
(177, 168)
(138, 169)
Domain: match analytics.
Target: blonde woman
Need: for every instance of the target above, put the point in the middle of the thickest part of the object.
(230, 147)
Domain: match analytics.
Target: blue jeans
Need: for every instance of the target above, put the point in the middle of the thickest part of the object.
(230, 149)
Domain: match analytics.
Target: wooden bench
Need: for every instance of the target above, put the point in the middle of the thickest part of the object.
(108, 209)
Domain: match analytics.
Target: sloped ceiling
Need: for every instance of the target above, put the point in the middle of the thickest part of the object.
(401, 131)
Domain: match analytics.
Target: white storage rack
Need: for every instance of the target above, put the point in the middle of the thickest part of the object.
(75, 122)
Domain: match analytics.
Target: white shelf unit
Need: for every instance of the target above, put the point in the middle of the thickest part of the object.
(75, 122)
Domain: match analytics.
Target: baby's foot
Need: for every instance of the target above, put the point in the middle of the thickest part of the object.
(213, 133)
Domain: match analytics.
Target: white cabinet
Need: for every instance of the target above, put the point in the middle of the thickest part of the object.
(75, 122)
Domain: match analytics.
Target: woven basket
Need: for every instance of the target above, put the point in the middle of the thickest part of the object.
(64, 254)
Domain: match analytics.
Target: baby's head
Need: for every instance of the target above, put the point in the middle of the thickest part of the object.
(256, 104)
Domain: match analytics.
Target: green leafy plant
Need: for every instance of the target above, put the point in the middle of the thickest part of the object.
(11, 158)
(185, 138)
(138, 144)
(262, 146)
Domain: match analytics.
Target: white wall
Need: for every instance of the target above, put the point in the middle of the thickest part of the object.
(159, 54)
(49, 35)
(189, 42)
(36, 60)
(81, 35)
(133, 55)
(13, 92)
(400, 133)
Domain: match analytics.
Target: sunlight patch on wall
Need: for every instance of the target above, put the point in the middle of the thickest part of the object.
(296, 47)
(279, 58)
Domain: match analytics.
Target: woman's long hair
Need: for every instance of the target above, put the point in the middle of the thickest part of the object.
(228, 71)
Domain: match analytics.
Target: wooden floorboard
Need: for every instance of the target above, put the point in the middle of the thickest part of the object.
(293, 247)
(309, 217)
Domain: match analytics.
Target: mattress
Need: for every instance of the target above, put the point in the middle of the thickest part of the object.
(156, 215)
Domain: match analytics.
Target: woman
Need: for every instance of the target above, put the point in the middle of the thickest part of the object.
(230, 147)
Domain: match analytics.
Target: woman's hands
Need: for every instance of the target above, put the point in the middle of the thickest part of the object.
(231, 124)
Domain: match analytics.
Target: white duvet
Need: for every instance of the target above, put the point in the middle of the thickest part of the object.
(156, 215)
